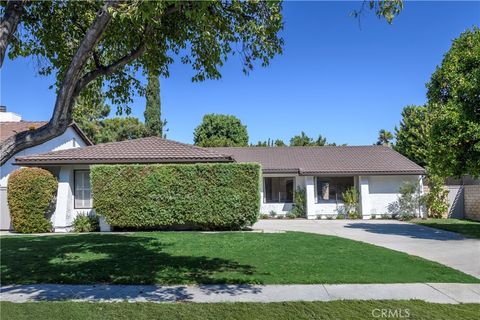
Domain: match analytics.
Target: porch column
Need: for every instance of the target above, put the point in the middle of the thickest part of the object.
(364, 196)
(310, 196)
(64, 200)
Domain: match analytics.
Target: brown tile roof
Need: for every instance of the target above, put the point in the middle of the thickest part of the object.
(326, 160)
(145, 150)
(8, 129)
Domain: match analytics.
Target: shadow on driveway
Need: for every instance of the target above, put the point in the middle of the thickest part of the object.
(406, 230)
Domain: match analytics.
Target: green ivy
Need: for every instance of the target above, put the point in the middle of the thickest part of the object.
(205, 196)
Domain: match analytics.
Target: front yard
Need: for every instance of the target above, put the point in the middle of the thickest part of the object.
(203, 258)
(468, 228)
(276, 311)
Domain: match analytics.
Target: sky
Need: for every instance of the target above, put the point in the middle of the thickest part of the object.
(336, 77)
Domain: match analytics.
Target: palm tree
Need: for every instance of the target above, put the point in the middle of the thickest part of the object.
(384, 137)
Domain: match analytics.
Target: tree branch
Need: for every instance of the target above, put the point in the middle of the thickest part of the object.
(8, 25)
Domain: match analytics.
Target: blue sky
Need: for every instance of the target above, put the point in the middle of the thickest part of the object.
(334, 78)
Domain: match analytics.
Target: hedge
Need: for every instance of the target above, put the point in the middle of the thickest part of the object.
(205, 196)
(30, 195)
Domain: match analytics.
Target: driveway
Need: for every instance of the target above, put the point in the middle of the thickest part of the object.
(448, 248)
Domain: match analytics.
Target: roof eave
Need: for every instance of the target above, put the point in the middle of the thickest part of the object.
(26, 162)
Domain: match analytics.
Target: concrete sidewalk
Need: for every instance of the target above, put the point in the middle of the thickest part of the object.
(431, 292)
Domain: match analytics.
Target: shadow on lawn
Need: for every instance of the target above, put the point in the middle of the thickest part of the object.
(407, 230)
(115, 259)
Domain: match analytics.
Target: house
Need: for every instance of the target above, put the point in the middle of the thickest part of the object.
(10, 124)
(325, 173)
(377, 172)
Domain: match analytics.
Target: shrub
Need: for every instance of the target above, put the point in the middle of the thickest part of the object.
(409, 203)
(204, 196)
(264, 216)
(350, 197)
(300, 203)
(31, 194)
(86, 222)
(340, 216)
(273, 213)
(291, 215)
(437, 197)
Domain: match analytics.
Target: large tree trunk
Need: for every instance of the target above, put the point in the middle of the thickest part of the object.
(68, 92)
(8, 25)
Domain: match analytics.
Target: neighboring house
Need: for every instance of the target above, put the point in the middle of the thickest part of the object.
(72, 167)
(10, 124)
(377, 172)
(325, 173)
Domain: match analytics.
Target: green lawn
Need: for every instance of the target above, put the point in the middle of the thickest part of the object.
(201, 258)
(466, 227)
(232, 311)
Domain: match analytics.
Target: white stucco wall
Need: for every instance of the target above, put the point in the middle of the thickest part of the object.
(69, 139)
(377, 192)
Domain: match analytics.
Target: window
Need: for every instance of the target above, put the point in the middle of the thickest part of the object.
(330, 190)
(83, 194)
(278, 190)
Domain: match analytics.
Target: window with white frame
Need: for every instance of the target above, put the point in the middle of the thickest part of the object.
(330, 190)
(278, 189)
(83, 193)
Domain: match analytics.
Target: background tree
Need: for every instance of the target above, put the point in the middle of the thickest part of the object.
(384, 137)
(120, 129)
(89, 114)
(303, 140)
(220, 130)
(454, 109)
(270, 143)
(412, 134)
(153, 114)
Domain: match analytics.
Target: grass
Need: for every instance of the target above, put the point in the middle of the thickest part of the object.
(233, 311)
(202, 258)
(468, 228)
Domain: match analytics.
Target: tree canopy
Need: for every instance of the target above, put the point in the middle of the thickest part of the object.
(454, 109)
(220, 130)
(302, 140)
(412, 136)
(153, 114)
(385, 138)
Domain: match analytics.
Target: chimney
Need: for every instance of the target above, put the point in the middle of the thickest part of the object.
(3, 108)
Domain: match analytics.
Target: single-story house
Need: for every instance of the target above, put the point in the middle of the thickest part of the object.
(325, 172)
(377, 172)
(10, 124)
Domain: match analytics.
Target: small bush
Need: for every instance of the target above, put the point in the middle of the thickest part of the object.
(354, 215)
(437, 197)
(300, 203)
(291, 215)
(272, 214)
(264, 216)
(86, 222)
(350, 197)
(219, 196)
(31, 195)
(340, 216)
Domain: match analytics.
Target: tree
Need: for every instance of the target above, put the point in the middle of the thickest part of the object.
(120, 129)
(88, 116)
(220, 130)
(384, 137)
(303, 140)
(153, 121)
(270, 143)
(454, 109)
(412, 135)
(106, 43)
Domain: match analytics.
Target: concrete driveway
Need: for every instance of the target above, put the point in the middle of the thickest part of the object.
(448, 248)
